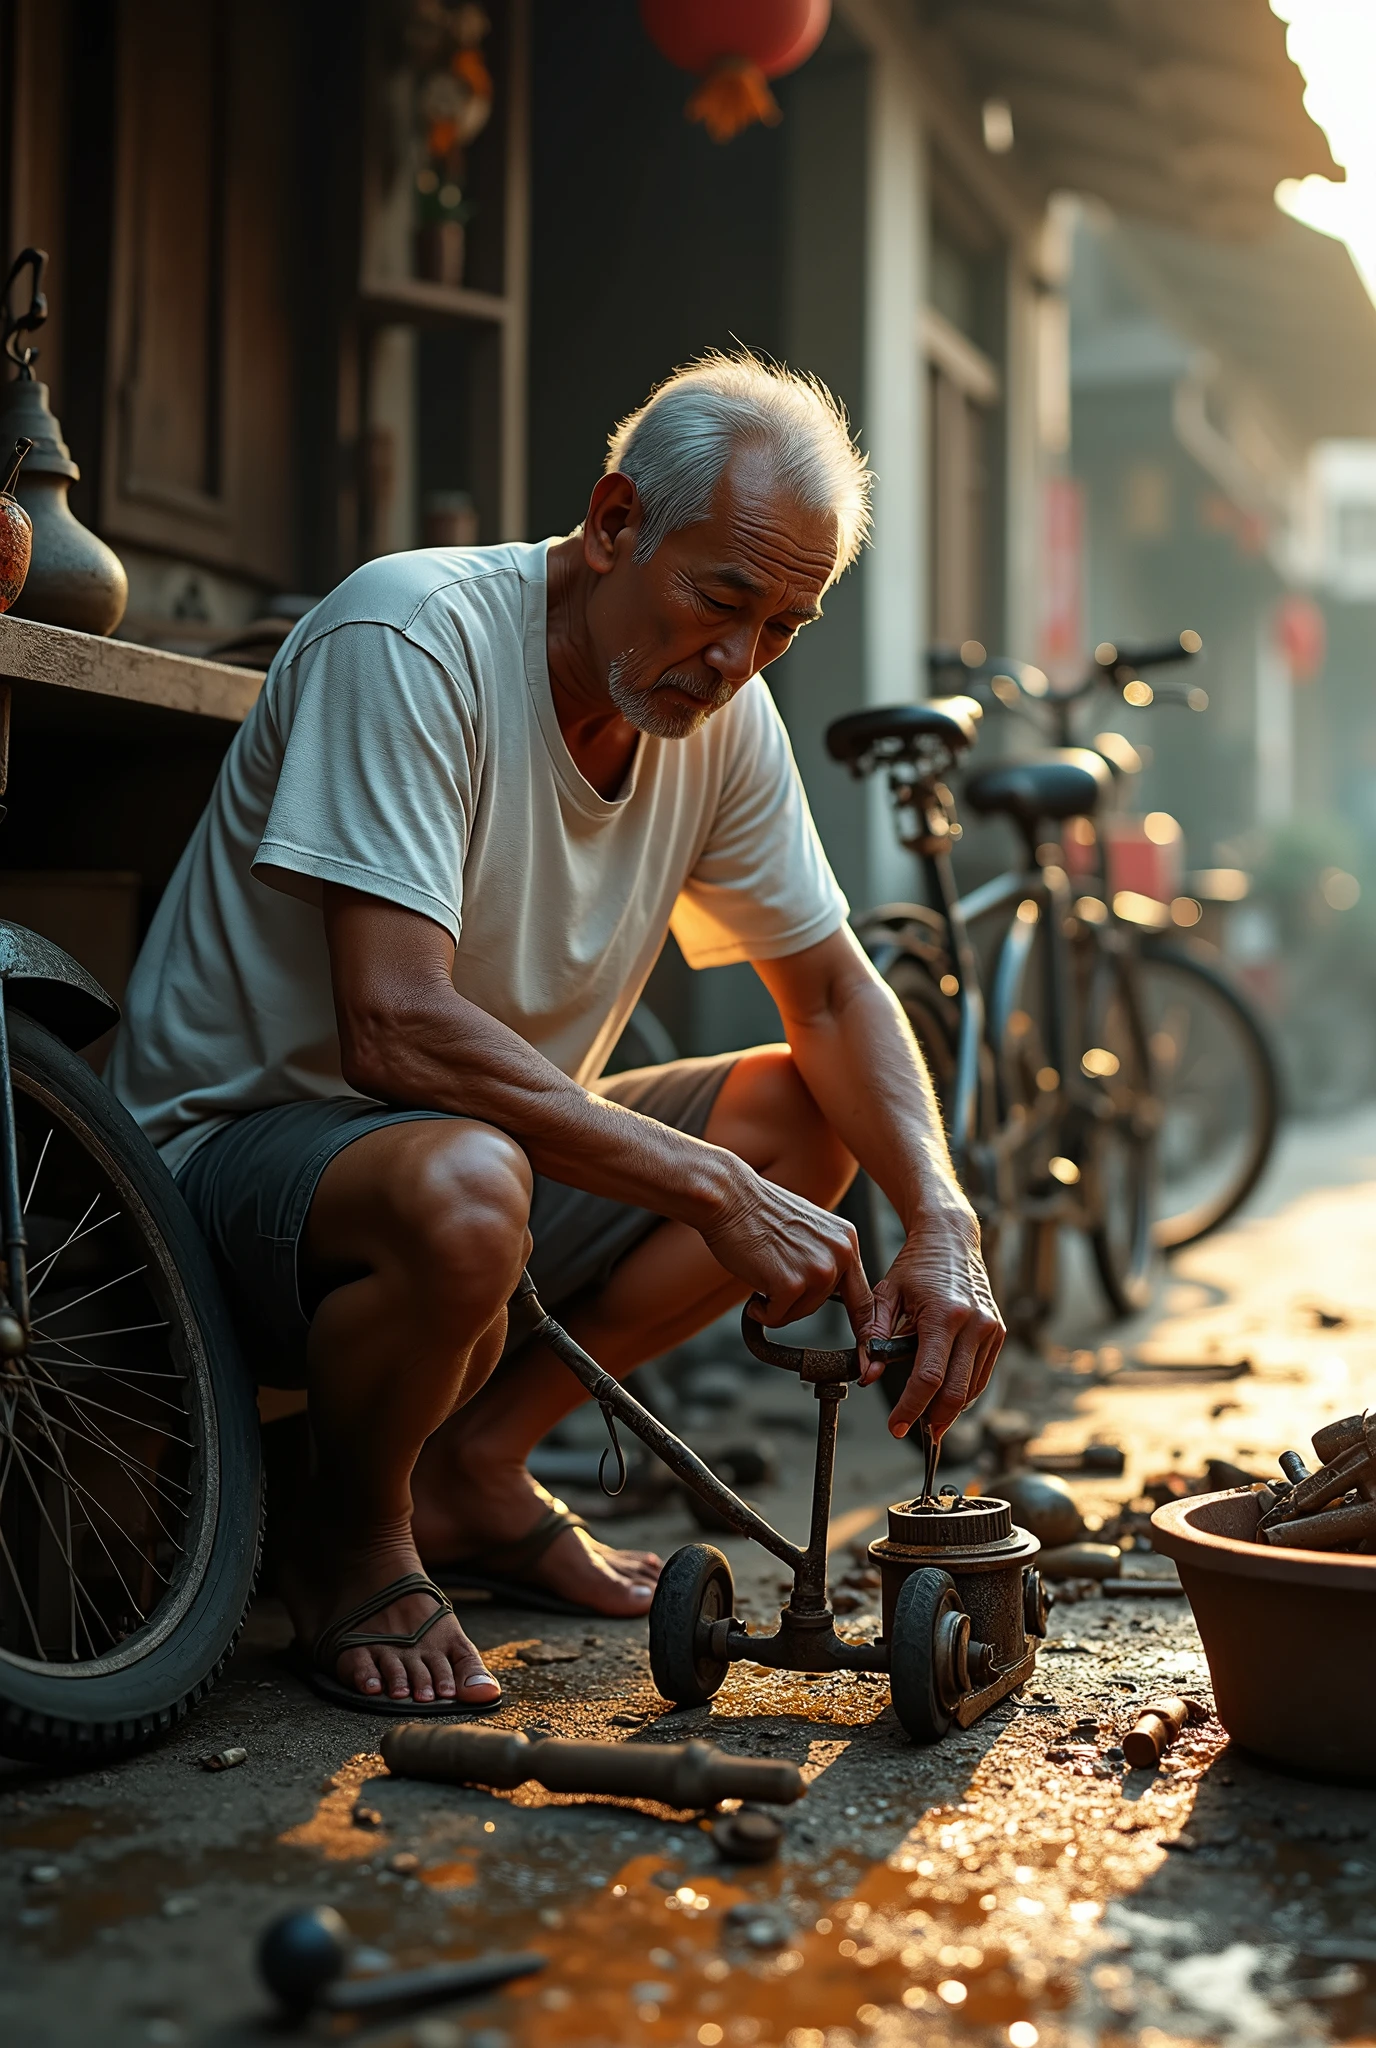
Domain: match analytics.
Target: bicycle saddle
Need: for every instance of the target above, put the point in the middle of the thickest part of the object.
(1066, 784)
(894, 732)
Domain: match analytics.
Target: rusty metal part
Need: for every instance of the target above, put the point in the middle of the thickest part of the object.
(1293, 1466)
(985, 1649)
(1081, 1561)
(931, 1457)
(747, 1836)
(1353, 1465)
(1339, 1529)
(1336, 1437)
(1310, 1709)
(1043, 1504)
(1156, 1727)
(678, 1774)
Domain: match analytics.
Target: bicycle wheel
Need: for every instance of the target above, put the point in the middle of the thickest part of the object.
(1023, 1251)
(1217, 1078)
(130, 1484)
(933, 1018)
(1121, 1141)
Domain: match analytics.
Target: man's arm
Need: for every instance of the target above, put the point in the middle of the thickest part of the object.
(855, 1051)
(407, 1036)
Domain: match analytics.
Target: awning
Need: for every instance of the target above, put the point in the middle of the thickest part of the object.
(1187, 112)
(1288, 308)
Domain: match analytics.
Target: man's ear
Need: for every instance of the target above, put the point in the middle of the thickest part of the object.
(613, 518)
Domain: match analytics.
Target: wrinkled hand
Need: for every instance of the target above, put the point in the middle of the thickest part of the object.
(938, 1287)
(794, 1255)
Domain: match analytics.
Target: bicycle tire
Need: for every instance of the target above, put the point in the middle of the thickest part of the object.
(1248, 1055)
(1121, 1146)
(933, 1020)
(162, 1487)
(1025, 1262)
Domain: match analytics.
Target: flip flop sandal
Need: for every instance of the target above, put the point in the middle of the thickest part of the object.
(318, 1666)
(502, 1570)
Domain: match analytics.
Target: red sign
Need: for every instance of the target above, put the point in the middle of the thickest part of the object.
(1061, 632)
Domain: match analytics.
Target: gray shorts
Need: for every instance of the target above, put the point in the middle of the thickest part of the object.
(250, 1188)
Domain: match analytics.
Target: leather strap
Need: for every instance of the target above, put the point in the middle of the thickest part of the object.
(344, 1634)
(511, 1560)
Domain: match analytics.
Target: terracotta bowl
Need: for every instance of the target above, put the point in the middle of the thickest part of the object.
(1290, 1636)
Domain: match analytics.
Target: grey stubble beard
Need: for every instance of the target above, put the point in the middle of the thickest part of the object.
(651, 715)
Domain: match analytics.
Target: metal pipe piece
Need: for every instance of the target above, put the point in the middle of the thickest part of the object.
(1340, 1529)
(686, 1774)
(609, 1393)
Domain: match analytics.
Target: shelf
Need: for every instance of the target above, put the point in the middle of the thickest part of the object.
(411, 295)
(51, 655)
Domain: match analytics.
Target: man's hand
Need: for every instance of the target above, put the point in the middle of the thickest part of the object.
(793, 1254)
(938, 1287)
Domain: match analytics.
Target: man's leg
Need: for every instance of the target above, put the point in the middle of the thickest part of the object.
(435, 1213)
(472, 1487)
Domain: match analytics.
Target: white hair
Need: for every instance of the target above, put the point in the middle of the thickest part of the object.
(675, 447)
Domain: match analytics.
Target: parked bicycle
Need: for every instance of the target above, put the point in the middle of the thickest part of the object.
(130, 1480)
(1095, 1073)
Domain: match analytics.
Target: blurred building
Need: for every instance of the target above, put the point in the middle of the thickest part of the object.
(333, 280)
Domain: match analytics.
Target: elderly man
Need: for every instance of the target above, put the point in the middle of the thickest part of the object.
(369, 1024)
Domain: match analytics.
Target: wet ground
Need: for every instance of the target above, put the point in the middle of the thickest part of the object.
(1015, 1884)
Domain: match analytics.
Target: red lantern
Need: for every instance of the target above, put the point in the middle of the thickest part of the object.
(737, 45)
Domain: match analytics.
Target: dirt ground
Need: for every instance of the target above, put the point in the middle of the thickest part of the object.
(1015, 1884)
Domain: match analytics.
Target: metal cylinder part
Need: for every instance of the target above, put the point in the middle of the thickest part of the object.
(679, 1774)
(1339, 1529)
(977, 1542)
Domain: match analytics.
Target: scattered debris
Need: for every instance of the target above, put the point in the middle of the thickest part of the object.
(1108, 1460)
(1158, 1725)
(302, 1958)
(1041, 1504)
(1081, 1561)
(43, 1874)
(405, 1863)
(224, 1760)
(547, 1653)
(1335, 1507)
(748, 1835)
(690, 1774)
(366, 1817)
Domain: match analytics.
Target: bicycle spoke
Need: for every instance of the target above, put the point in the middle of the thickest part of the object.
(91, 1433)
(41, 1266)
(23, 1602)
(38, 1169)
(90, 1295)
(130, 1467)
(118, 1330)
(116, 1374)
(120, 1415)
(59, 1472)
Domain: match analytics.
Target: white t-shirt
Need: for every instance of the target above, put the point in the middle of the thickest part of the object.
(406, 744)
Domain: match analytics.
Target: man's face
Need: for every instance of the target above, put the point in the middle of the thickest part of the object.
(714, 604)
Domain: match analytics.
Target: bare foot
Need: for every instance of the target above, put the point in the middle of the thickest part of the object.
(442, 1665)
(502, 1504)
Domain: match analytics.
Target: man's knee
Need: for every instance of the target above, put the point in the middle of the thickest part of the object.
(460, 1212)
(779, 1120)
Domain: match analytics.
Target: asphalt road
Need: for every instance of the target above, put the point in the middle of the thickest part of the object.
(1014, 1884)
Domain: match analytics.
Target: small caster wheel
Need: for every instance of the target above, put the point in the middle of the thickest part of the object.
(929, 1651)
(1034, 1603)
(695, 1589)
